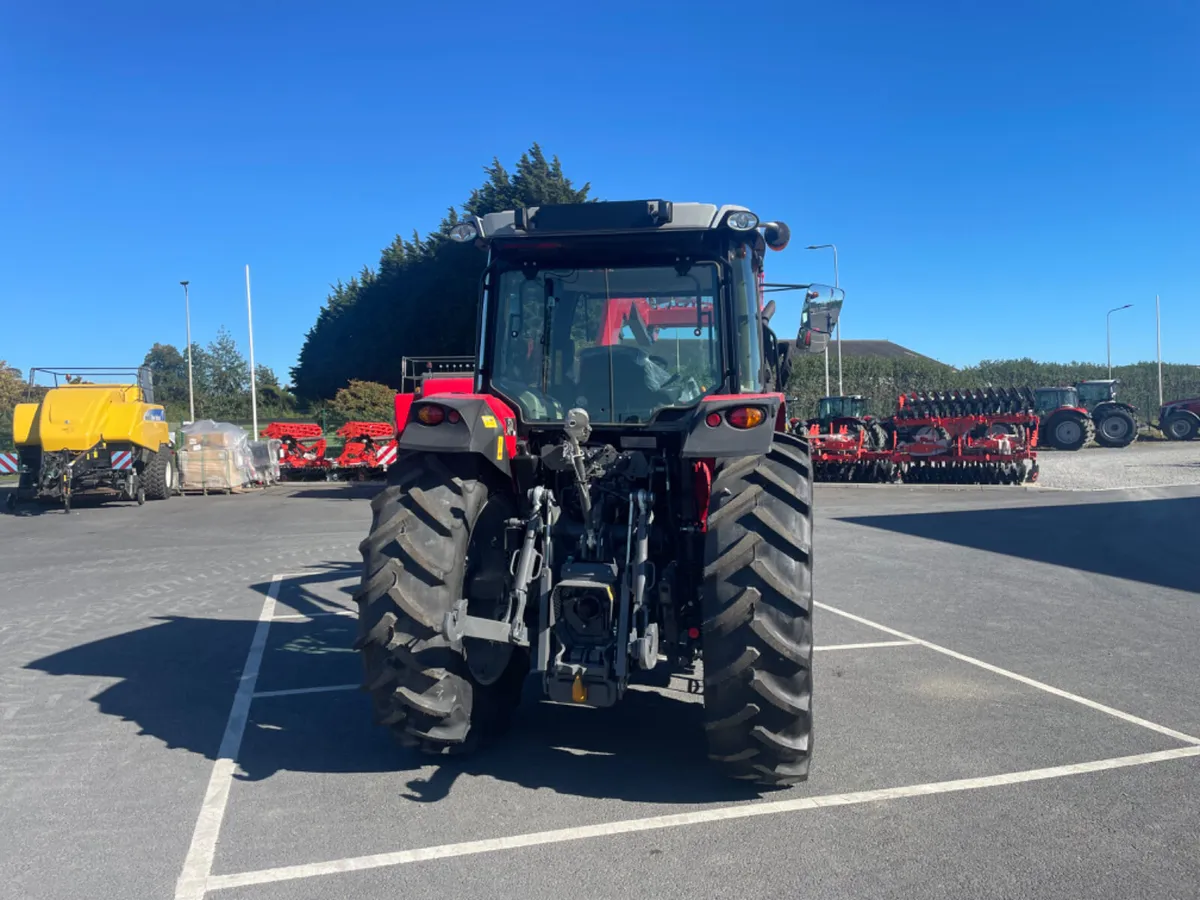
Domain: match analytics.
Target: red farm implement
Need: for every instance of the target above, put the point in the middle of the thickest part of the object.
(303, 452)
(369, 449)
(849, 454)
(944, 444)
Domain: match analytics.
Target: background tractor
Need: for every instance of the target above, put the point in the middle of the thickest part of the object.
(83, 435)
(610, 492)
(1179, 420)
(850, 413)
(1115, 422)
(1073, 416)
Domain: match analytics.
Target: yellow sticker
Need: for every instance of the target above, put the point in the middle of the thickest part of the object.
(490, 422)
(500, 447)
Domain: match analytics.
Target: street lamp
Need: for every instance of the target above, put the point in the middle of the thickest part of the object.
(187, 311)
(832, 247)
(1108, 332)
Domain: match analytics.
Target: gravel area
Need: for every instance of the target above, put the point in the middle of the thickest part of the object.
(1143, 464)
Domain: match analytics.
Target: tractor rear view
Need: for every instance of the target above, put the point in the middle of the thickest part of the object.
(82, 435)
(610, 491)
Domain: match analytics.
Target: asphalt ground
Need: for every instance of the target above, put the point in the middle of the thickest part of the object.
(1005, 707)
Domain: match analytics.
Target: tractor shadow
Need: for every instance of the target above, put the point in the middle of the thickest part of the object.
(1151, 541)
(336, 490)
(176, 680)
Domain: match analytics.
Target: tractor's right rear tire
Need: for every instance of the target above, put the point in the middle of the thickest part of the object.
(158, 475)
(437, 535)
(757, 604)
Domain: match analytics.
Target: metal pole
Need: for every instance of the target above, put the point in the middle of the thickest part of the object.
(1108, 332)
(832, 247)
(841, 391)
(187, 311)
(1158, 328)
(253, 390)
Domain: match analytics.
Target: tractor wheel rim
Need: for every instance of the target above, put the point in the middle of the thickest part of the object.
(1178, 428)
(1068, 432)
(1114, 428)
(170, 477)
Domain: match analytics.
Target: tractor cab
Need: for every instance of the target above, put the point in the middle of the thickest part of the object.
(852, 407)
(1093, 393)
(1046, 400)
(633, 312)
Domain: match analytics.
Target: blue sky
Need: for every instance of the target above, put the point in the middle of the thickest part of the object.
(996, 176)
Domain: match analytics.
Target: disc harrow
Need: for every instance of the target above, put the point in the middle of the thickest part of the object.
(369, 449)
(303, 452)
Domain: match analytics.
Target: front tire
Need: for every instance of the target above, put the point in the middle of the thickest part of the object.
(437, 535)
(1117, 428)
(1070, 430)
(757, 605)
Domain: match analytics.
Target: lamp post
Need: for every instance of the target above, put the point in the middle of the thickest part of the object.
(832, 247)
(187, 311)
(1108, 332)
(1158, 331)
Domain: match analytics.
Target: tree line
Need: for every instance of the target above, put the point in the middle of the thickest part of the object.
(420, 300)
(220, 382)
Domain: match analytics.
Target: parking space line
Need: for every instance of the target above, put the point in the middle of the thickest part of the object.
(1023, 679)
(197, 866)
(699, 817)
(867, 646)
(314, 615)
(291, 692)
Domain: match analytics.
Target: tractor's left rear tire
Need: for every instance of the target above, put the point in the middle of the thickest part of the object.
(437, 535)
(757, 605)
(158, 475)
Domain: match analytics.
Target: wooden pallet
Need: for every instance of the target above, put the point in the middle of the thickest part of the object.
(204, 491)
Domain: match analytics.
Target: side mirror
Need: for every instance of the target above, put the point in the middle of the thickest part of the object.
(822, 306)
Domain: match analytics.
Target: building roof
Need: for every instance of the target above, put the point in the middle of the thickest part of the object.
(880, 349)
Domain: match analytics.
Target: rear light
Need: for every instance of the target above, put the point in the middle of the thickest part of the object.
(746, 416)
(430, 414)
(713, 420)
(453, 417)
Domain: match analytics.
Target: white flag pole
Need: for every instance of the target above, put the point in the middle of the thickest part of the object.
(253, 386)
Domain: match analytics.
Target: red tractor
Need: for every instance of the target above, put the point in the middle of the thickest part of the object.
(1179, 420)
(611, 492)
(1072, 417)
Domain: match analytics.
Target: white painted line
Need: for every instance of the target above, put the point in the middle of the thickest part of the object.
(315, 615)
(679, 820)
(198, 864)
(1040, 685)
(310, 690)
(867, 646)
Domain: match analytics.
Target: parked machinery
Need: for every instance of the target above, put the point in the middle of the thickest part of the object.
(303, 449)
(82, 435)
(591, 505)
(1179, 420)
(370, 447)
(1070, 417)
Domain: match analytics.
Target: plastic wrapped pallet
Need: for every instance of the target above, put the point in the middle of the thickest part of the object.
(215, 456)
(264, 456)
